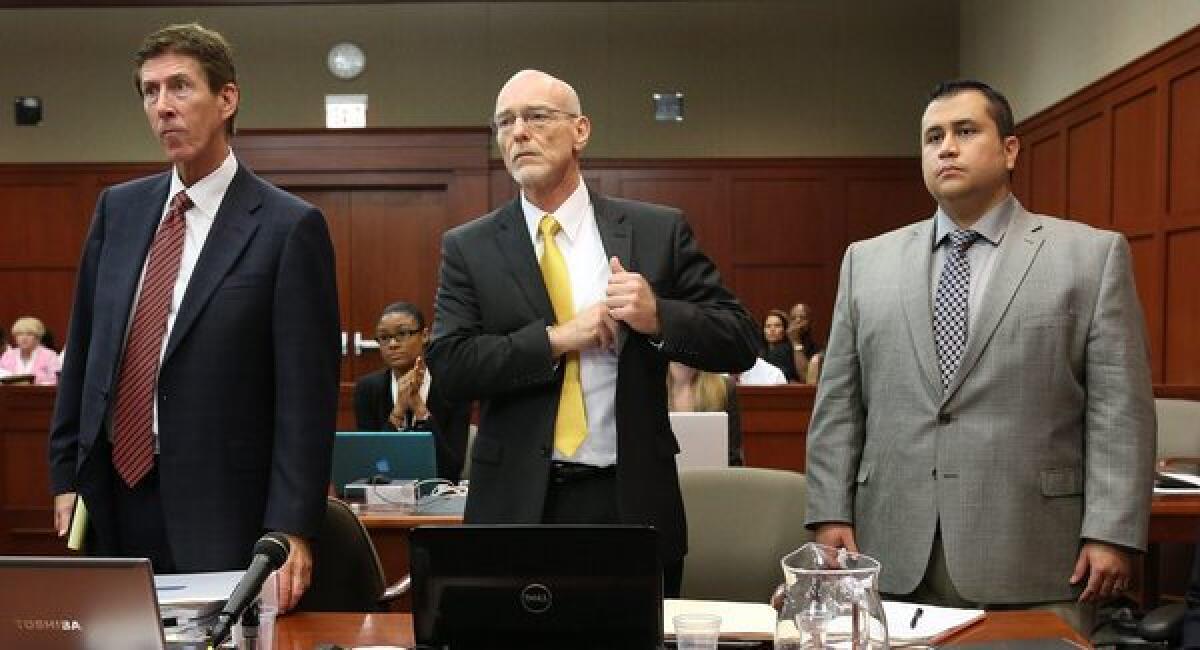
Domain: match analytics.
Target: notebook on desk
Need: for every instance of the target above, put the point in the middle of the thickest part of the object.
(72, 603)
(576, 587)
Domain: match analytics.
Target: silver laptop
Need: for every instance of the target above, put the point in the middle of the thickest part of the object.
(75, 603)
(703, 438)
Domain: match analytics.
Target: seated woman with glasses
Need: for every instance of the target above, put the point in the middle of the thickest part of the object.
(402, 396)
(29, 358)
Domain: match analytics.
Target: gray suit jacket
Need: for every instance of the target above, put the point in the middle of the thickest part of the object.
(1045, 435)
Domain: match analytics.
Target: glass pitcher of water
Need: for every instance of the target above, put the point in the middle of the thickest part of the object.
(831, 600)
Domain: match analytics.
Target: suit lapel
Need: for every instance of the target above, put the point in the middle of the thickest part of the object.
(512, 237)
(917, 259)
(232, 229)
(1020, 247)
(616, 235)
(130, 237)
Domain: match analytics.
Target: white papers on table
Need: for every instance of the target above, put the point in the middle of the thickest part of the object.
(933, 624)
(754, 621)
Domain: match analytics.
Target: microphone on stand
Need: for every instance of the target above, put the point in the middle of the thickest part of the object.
(270, 552)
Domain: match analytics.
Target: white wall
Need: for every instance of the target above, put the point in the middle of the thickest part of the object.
(1038, 52)
(762, 78)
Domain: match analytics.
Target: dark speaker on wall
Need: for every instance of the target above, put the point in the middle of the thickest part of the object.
(28, 111)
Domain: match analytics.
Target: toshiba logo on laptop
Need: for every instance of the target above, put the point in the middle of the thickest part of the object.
(48, 625)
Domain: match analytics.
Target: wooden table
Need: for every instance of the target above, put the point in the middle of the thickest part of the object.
(303, 631)
(1173, 519)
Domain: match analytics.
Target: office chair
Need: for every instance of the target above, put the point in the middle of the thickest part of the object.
(347, 575)
(741, 521)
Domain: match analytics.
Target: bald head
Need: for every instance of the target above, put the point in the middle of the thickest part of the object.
(541, 134)
(559, 93)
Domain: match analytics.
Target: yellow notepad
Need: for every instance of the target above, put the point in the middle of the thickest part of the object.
(79, 523)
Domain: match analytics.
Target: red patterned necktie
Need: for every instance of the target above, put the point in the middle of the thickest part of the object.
(133, 416)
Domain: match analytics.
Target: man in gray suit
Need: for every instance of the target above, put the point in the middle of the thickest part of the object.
(984, 424)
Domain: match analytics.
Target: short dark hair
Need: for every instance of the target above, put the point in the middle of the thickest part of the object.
(206, 46)
(405, 308)
(998, 106)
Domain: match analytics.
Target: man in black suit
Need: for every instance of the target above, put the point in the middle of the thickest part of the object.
(560, 312)
(403, 395)
(197, 404)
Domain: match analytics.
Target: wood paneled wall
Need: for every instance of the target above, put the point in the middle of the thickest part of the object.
(776, 228)
(44, 215)
(1124, 154)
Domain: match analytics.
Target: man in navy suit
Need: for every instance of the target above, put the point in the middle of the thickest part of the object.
(197, 405)
(570, 364)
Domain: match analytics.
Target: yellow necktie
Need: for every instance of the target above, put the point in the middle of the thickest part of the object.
(570, 425)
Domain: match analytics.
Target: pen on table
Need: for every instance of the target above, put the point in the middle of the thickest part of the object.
(916, 617)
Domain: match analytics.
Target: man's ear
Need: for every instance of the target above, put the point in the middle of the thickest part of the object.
(583, 131)
(1012, 146)
(228, 97)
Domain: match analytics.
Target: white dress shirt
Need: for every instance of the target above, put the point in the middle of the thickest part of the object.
(206, 195)
(582, 249)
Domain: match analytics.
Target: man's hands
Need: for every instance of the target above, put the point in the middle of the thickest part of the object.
(1107, 569)
(294, 576)
(631, 300)
(591, 328)
(837, 535)
(64, 506)
(628, 299)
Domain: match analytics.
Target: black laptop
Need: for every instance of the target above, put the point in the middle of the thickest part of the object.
(512, 586)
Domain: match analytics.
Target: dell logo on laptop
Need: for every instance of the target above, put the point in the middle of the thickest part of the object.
(536, 598)
(47, 625)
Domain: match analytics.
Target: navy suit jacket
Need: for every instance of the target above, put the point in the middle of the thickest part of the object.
(489, 342)
(449, 421)
(248, 384)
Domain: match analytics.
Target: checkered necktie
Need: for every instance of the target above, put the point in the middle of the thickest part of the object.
(133, 413)
(950, 304)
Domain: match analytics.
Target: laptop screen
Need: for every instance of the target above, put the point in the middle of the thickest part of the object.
(387, 455)
(530, 586)
(72, 603)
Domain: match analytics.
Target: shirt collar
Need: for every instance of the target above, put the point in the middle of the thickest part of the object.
(570, 215)
(991, 226)
(207, 193)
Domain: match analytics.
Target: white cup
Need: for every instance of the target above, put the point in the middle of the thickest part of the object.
(697, 631)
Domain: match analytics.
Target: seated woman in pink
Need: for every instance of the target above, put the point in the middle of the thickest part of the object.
(29, 356)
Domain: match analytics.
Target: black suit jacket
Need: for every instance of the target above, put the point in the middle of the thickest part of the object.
(449, 421)
(248, 385)
(489, 342)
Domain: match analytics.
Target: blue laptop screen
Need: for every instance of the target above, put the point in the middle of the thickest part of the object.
(382, 455)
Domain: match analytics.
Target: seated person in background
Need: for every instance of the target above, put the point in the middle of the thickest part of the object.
(691, 390)
(777, 350)
(30, 357)
(402, 396)
(806, 352)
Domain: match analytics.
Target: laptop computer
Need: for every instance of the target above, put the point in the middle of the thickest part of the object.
(703, 438)
(531, 586)
(382, 456)
(73, 603)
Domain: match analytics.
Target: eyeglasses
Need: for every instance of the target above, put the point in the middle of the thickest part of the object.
(536, 118)
(399, 336)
